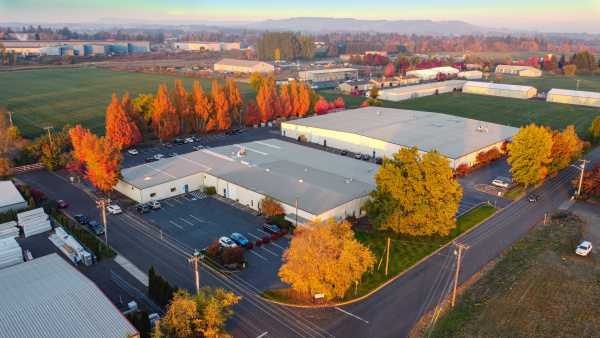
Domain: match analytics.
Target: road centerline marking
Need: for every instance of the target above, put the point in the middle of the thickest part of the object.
(355, 316)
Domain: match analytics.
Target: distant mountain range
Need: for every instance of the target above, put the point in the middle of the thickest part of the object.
(304, 24)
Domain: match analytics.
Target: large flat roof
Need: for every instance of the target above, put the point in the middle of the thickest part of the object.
(576, 93)
(333, 70)
(48, 297)
(281, 169)
(452, 136)
(422, 86)
(501, 86)
(238, 63)
(9, 195)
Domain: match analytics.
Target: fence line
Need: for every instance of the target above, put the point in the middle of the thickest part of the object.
(134, 292)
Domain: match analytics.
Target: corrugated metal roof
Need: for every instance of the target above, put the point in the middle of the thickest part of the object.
(238, 63)
(422, 86)
(47, 297)
(498, 86)
(452, 136)
(9, 195)
(576, 93)
(445, 69)
(515, 67)
(333, 70)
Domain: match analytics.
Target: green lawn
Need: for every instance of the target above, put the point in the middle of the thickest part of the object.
(405, 251)
(512, 112)
(55, 97)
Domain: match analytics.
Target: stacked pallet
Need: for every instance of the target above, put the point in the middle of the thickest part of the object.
(34, 222)
(9, 230)
(10, 252)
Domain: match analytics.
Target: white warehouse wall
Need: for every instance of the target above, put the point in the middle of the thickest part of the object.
(163, 191)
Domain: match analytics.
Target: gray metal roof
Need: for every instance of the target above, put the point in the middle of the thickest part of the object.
(332, 70)
(452, 136)
(501, 86)
(9, 195)
(48, 297)
(239, 63)
(576, 93)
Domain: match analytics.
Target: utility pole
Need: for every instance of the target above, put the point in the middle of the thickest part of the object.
(296, 211)
(387, 261)
(10, 118)
(49, 136)
(581, 177)
(460, 248)
(195, 259)
(102, 204)
(577, 84)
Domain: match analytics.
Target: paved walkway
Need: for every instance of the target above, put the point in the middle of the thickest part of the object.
(132, 269)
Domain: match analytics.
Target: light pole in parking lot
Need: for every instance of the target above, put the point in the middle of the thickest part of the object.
(197, 256)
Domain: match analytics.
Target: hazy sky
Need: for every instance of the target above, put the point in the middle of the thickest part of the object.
(540, 15)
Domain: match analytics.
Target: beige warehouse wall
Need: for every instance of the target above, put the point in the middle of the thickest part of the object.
(128, 190)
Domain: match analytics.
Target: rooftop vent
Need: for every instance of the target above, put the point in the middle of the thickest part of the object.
(147, 178)
(244, 162)
(437, 124)
(267, 169)
(300, 181)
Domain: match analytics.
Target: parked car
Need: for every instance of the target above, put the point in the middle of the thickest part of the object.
(173, 154)
(533, 198)
(237, 131)
(196, 138)
(81, 219)
(378, 160)
(96, 227)
(229, 132)
(207, 147)
(358, 156)
(500, 183)
(272, 228)
(584, 248)
(150, 159)
(199, 147)
(178, 141)
(366, 157)
(188, 140)
(143, 208)
(167, 145)
(239, 239)
(154, 205)
(344, 152)
(114, 209)
(132, 152)
(159, 156)
(62, 204)
(226, 242)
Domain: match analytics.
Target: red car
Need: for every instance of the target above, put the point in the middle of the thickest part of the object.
(62, 204)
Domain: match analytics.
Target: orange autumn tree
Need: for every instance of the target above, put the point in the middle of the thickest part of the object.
(135, 115)
(120, 128)
(287, 104)
(303, 98)
(164, 120)
(325, 257)
(101, 156)
(268, 102)
(180, 103)
(235, 101)
(202, 107)
(221, 106)
(251, 113)
(270, 206)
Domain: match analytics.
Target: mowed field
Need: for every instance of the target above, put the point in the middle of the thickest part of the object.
(56, 97)
(512, 112)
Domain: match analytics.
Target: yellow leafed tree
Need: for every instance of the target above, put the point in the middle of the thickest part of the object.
(530, 154)
(324, 257)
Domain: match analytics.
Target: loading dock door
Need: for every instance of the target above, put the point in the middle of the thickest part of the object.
(314, 138)
(232, 191)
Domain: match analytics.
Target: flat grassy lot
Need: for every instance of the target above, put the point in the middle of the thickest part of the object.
(405, 251)
(56, 97)
(512, 112)
(539, 288)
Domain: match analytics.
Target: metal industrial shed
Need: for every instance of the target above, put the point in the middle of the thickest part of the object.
(574, 97)
(47, 297)
(498, 89)
(518, 70)
(419, 90)
(326, 185)
(383, 131)
(243, 66)
(10, 198)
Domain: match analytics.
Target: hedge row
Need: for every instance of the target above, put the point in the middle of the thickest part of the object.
(160, 289)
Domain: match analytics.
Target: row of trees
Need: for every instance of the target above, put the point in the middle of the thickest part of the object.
(285, 46)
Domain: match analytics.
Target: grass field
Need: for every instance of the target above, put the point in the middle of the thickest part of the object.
(405, 251)
(537, 288)
(512, 112)
(56, 97)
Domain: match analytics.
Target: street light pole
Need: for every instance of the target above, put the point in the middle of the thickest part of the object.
(102, 204)
(195, 259)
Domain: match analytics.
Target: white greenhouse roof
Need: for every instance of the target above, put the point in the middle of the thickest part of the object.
(9, 195)
(576, 93)
(445, 69)
(452, 136)
(501, 86)
(48, 297)
(333, 70)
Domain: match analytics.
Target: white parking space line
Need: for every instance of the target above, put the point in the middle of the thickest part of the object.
(198, 219)
(257, 254)
(348, 313)
(176, 225)
(186, 221)
(189, 200)
(264, 232)
(278, 245)
(269, 250)
(176, 201)
(254, 236)
(169, 203)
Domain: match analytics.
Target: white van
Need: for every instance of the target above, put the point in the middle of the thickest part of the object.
(500, 183)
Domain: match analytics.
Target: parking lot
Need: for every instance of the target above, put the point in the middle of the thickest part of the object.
(192, 221)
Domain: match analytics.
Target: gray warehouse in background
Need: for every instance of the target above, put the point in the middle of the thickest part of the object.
(383, 131)
(10, 197)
